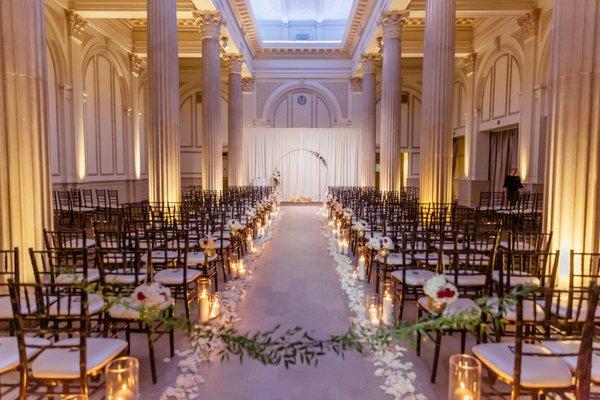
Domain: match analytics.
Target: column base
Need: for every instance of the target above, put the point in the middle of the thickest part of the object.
(470, 190)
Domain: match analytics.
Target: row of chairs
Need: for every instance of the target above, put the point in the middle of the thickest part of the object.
(79, 304)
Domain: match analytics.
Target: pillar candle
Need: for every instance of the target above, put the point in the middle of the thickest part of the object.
(388, 309)
(361, 268)
(204, 306)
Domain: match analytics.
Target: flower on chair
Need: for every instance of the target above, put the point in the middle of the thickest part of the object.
(234, 225)
(439, 290)
(387, 243)
(208, 243)
(150, 295)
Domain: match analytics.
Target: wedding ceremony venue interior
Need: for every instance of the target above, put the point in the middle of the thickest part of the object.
(299, 199)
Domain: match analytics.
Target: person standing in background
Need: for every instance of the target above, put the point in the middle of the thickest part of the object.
(512, 185)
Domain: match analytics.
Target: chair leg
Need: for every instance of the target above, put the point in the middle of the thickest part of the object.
(436, 355)
(151, 352)
(463, 340)
(418, 349)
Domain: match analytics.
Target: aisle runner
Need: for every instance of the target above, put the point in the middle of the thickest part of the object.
(188, 380)
(398, 375)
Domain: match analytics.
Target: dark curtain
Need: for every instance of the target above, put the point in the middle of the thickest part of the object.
(504, 153)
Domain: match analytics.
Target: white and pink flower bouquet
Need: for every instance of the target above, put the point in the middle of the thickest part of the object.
(440, 291)
(150, 295)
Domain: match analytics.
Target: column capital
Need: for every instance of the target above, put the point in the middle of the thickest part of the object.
(529, 23)
(469, 63)
(392, 23)
(75, 24)
(209, 22)
(136, 64)
(356, 84)
(233, 62)
(247, 84)
(370, 62)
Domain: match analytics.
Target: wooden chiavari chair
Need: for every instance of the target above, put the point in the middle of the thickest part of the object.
(62, 358)
(9, 270)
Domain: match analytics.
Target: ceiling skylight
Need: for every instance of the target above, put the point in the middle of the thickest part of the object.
(297, 21)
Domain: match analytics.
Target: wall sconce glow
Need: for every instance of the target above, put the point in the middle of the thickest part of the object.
(80, 157)
(523, 164)
(137, 157)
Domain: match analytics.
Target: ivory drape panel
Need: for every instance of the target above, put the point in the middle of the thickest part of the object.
(302, 173)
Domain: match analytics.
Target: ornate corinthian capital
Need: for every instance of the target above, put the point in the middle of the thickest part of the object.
(75, 24)
(392, 23)
(233, 62)
(247, 85)
(529, 23)
(209, 22)
(370, 62)
(356, 84)
(136, 64)
(469, 63)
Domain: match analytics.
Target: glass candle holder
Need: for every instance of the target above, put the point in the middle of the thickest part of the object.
(122, 379)
(387, 302)
(464, 381)
(372, 304)
(215, 305)
(204, 299)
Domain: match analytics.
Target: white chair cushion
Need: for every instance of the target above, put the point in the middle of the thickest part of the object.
(126, 309)
(572, 347)
(516, 280)
(536, 372)
(530, 313)
(478, 259)
(466, 279)
(93, 275)
(578, 309)
(394, 259)
(414, 277)
(226, 234)
(63, 363)
(159, 256)
(10, 351)
(197, 258)
(6, 311)
(123, 279)
(369, 235)
(95, 305)
(222, 243)
(80, 243)
(431, 258)
(174, 276)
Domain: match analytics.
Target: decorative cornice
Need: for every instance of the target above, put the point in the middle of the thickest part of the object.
(370, 62)
(136, 64)
(233, 62)
(209, 23)
(75, 24)
(356, 84)
(356, 26)
(469, 63)
(392, 23)
(529, 23)
(247, 85)
(461, 22)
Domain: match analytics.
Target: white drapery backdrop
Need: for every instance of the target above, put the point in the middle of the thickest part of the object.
(302, 173)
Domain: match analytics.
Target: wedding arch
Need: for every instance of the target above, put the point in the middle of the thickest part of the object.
(309, 159)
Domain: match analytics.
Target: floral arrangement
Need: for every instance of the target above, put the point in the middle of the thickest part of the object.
(234, 225)
(439, 290)
(378, 243)
(359, 225)
(208, 243)
(251, 213)
(276, 178)
(150, 295)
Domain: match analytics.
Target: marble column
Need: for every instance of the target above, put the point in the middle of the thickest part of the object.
(528, 142)
(235, 120)
(164, 177)
(136, 67)
(212, 145)
(436, 112)
(76, 141)
(366, 152)
(390, 176)
(572, 189)
(25, 206)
